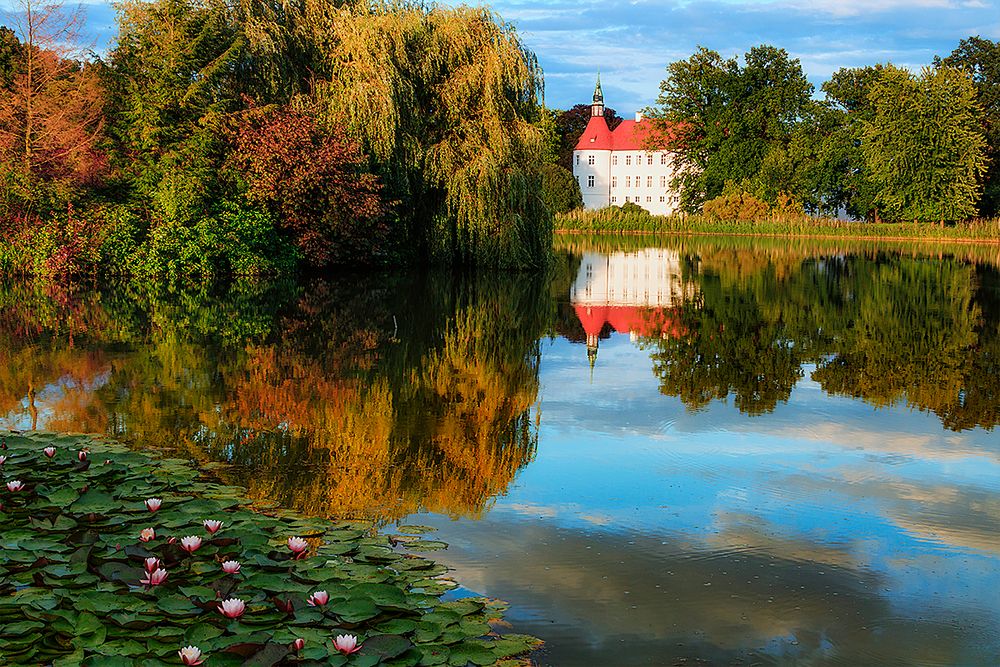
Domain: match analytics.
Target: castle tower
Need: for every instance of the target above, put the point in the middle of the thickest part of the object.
(597, 108)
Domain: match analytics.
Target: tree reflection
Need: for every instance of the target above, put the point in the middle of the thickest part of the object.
(368, 398)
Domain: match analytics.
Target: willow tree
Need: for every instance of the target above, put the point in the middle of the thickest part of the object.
(443, 99)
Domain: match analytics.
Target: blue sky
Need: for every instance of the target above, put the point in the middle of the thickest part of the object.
(631, 41)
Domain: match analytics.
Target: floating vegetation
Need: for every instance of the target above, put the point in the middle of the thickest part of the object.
(110, 557)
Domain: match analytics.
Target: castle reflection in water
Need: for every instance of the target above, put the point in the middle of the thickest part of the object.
(638, 293)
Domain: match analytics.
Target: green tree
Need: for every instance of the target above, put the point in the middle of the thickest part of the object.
(980, 59)
(560, 191)
(924, 144)
(732, 122)
(571, 123)
(174, 75)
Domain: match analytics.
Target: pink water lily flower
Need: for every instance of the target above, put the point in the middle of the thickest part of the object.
(232, 608)
(50, 451)
(82, 455)
(155, 578)
(15, 485)
(191, 543)
(297, 545)
(147, 535)
(191, 655)
(347, 644)
(153, 504)
(318, 599)
(3, 459)
(298, 644)
(212, 526)
(231, 566)
(152, 563)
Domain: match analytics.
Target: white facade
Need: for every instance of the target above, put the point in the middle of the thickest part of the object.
(650, 278)
(615, 177)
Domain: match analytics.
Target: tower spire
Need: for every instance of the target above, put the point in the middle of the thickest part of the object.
(597, 108)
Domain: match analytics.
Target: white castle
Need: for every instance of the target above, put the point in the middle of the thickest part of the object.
(614, 168)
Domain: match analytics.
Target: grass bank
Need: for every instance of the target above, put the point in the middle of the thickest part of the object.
(615, 220)
(111, 557)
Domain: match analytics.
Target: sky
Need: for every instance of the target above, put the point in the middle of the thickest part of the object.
(632, 41)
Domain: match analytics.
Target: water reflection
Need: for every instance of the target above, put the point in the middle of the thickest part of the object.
(710, 451)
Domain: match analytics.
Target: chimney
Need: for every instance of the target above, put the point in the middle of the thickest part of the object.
(638, 116)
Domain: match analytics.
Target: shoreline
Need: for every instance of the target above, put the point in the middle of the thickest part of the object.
(795, 235)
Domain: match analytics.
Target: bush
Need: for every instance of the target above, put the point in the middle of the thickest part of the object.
(736, 205)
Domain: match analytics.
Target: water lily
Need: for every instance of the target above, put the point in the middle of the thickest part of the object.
(318, 599)
(297, 545)
(15, 485)
(191, 543)
(82, 455)
(3, 459)
(171, 540)
(232, 608)
(147, 534)
(50, 451)
(153, 504)
(155, 578)
(107, 461)
(230, 566)
(212, 526)
(284, 606)
(152, 564)
(191, 655)
(346, 644)
(298, 644)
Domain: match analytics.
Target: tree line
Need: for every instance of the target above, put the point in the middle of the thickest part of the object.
(883, 143)
(256, 137)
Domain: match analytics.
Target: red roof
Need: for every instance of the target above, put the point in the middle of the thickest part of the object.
(630, 135)
(649, 322)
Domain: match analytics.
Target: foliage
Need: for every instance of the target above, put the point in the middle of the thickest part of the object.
(924, 146)
(735, 204)
(442, 100)
(729, 122)
(73, 564)
(170, 89)
(560, 191)
(315, 182)
(980, 59)
(51, 112)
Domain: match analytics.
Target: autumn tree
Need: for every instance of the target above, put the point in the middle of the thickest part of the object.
(51, 113)
(924, 145)
(315, 181)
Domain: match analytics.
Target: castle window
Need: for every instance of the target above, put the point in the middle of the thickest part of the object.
(663, 199)
(649, 181)
(628, 182)
(590, 181)
(663, 158)
(614, 181)
(614, 199)
(614, 160)
(649, 199)
(578, 158)
(649, 159)
(663, 181)
(590, 159)
(628, 160)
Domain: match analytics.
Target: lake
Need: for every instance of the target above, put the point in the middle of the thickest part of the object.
(665, 451)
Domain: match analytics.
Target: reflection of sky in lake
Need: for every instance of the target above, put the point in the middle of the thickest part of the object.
(879, 528)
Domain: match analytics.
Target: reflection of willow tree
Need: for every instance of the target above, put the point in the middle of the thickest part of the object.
(369, 398)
